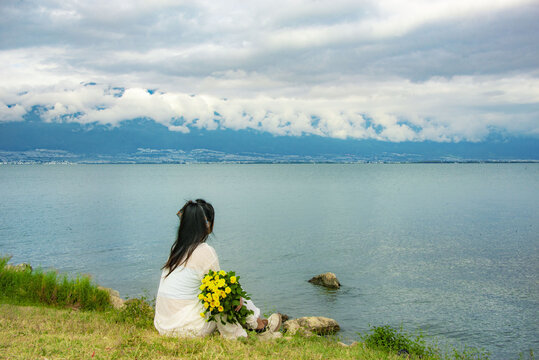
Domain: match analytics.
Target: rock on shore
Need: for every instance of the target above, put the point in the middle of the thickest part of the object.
(328, 280)
(115, 299)
(19, 267)
(310, 325)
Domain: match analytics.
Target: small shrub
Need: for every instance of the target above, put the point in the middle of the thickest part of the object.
(396, 340)
(136, 311)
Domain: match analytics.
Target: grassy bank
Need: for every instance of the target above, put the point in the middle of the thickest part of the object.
(39, 332)
(22, 285)
(45, 315)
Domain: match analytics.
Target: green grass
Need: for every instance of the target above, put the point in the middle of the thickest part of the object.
(393, 340)
(137, 312)
(44, 332)
(38, 287)
(55, 327)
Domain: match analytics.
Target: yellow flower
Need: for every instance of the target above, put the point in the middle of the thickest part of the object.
(212, 304)
(211, 309)
(220, 308)
(216, 277)
(206, 279)
(233, 279)
(201, 296)
(221, 283)
(215, 297)
(208, 298)
(202, 314)
(206, 305)
(202, 287)
(223, 294)
(217, 303)
(222, 273)
(228, 290)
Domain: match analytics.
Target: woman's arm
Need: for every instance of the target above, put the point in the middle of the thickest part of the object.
(238, 308)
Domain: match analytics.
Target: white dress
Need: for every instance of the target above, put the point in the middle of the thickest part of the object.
(177, 307)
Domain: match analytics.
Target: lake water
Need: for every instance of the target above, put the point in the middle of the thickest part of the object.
(452, 249)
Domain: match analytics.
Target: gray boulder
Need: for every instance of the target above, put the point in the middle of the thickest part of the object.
(115, 299)
(328, 280)
(19, 267)
(311, 325)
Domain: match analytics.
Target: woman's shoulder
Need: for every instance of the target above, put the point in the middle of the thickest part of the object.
(205, 249)
(203, 257)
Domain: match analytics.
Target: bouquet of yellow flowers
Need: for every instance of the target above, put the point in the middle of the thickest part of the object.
(220, 295)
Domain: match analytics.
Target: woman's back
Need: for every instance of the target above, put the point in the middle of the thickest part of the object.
(177, 305)
(184, 281)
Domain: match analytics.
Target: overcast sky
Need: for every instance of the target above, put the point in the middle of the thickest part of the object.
(390, 70)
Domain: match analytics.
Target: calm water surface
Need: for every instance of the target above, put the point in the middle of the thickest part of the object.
(452, 249)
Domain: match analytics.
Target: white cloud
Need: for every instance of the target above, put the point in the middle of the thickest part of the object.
(391, 70)
(11, 112)
(396, 110)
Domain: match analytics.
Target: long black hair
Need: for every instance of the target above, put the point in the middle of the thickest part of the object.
(196, 223)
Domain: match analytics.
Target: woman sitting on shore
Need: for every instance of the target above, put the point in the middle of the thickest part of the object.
(177, 308)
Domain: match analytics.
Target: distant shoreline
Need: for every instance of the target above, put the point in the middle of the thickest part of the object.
(207, 156)
(299, 162)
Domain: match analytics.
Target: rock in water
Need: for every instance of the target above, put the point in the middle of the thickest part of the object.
(327, 279)
(318, 325)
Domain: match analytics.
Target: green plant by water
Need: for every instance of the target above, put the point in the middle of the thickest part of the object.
(397, 340)
(136, 311)
(27, 286)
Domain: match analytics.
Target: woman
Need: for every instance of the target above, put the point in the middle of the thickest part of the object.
(177, 308)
